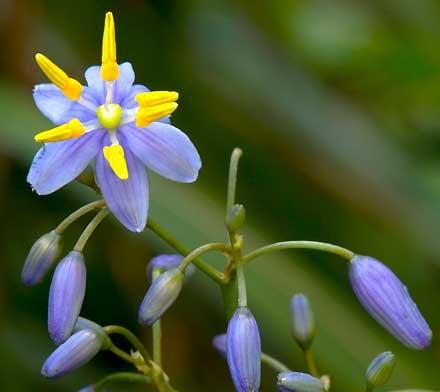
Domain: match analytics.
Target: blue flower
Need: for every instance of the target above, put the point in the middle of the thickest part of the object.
(388, 301)
(121, 126)
(165, 262)
(298, 382)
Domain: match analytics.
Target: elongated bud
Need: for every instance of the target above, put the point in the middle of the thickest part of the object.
(40, 258)
(219, 343)
(236, 217)
(387, 300)
(303, 321)
(160, 296)
(66, 296)
(76, 351)
(380, 369)
(243, 351)
(165, 262)
(83, 323)
(298, 382)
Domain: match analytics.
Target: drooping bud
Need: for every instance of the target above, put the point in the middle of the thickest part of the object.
(40, 258)
(76, 351)
(235, 218)
(160, 296)
(387, 300)
(219, 343)
(83, 323)
(380, 369)
(243, 351)
(298, 382)
(165, 262)
(303, 321)
(66, 296)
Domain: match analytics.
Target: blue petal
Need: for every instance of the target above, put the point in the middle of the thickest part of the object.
(127, 199)
(59, 109)
(164, 149)
(122, 85)
(57, 164)
(129, 101)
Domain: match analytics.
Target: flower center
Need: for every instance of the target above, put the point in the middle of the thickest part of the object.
(109, 115)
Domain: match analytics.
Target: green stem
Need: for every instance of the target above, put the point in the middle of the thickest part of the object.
(310, 362)
(78, 214)
(232, 179)
(157, 332)
(90, 228)
(131, 337)
(123, 355)
(212, 272)
(190, 258)
(322, 246)
(273, 363)
(121, 377)
(241, 283)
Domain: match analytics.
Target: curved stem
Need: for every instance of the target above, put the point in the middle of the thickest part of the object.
(94, 223)
(131, 337)
(212, 272)
(273, 363)
(322, 246)
(232, 179)
(123, 355)
(78, 214)
(121, 377)
(191, 257)
(157, 332)
(310, 362)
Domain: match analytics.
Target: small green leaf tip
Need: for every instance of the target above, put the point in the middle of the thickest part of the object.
(380, 369)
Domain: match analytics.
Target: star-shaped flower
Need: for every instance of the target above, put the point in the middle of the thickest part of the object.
(120, 126)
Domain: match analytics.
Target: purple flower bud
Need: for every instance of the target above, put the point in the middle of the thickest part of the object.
(298, 382)
(219, 343)
(160, 296)
(83, 323)
(76, 351)
(66, 296)
(380, 369)
(243, 351)
(387, 300)
(165, 262)
(303, 321)
(40, 258)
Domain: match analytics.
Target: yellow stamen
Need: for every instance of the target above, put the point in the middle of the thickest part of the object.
(70, 130)
(114, 155)
(71, 88)
(146, 116)
(156, 97)
(109, 68)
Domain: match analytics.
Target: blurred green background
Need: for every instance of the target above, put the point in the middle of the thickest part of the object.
(336, 105)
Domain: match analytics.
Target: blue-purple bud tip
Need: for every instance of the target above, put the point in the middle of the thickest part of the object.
(380, 369)
(303, 321)
(243, 351)
(160, 296)
(40, 258)
(66, 296)
(76, 351)
(298, 382)
(219, 343)
(166, 262)
(387, 300)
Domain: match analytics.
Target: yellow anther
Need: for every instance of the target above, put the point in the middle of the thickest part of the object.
(146, 116)
(114, 155)
(70, 130)
(109, 68)
(71, 88)
(156, 98)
